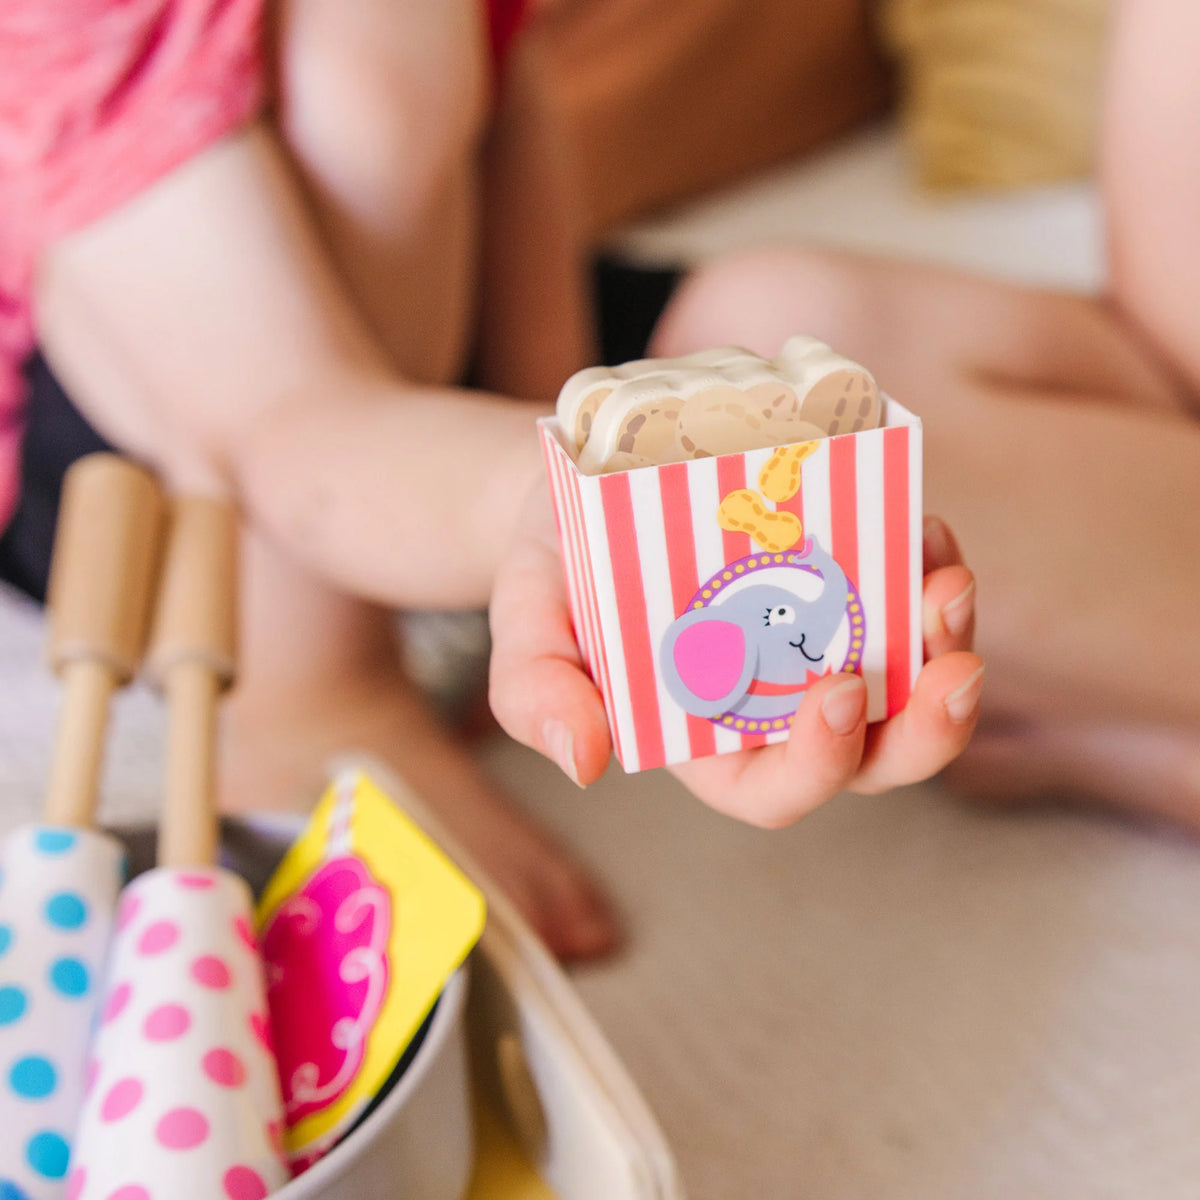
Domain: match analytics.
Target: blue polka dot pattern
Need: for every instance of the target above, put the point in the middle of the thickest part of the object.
(54, 841)
(70, 977)
(47, 1154)
(13, 1004)
(66, 911)
(56, 914)
(33, 1078)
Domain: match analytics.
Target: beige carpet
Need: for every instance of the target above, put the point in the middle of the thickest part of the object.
(901, 997)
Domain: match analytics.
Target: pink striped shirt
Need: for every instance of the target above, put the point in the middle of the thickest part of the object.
(98, 98)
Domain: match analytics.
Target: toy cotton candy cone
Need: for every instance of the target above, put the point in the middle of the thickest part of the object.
(184, 1100)
(57, 899)
(59, 880)
(363, 924)
(185, 1103)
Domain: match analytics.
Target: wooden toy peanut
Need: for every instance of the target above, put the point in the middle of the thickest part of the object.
(780, 477)
(843, 402)
(585, 412)
(744, 512)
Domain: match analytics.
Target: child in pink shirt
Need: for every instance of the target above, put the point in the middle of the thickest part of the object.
(278, 305)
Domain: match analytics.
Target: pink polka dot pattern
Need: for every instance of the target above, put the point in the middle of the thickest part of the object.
(275, 1136)
(244, 1183)
(224, 1067)
(160, 936)
(120, 1100)
(128, 911)
(90, 1074)
(117, 1001)
(76, 1184)
(246, 934)
(185, 1089)
(167, 1022)
(195, 883)
(211, 972)
(261, 1028)
(181, 1129)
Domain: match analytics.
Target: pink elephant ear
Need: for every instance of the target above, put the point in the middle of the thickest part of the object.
(709, 657)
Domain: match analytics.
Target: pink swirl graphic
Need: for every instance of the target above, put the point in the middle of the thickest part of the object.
(327, 976)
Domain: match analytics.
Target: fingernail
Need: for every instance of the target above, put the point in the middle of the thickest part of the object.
(957, 613)
(963, 701)
(845, 706)
(559, 743)
(939, 548)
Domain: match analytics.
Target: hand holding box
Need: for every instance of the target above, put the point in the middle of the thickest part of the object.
(698, 611)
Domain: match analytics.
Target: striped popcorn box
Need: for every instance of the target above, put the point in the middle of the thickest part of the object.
(704, 608)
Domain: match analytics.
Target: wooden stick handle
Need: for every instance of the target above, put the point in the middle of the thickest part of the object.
(195, 620)
(106, 550)
(192, 653)
(187, 834)
(72, 792)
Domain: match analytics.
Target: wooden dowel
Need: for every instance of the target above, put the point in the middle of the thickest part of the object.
(105, 564)
(188, 835)
(191, 657)
(102, 576)
(73, 789)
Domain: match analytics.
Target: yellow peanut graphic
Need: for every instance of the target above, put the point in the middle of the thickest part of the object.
(744, 512)
(780, 477)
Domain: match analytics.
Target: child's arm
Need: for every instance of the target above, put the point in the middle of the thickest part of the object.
(1151, 172)
(542, 696)
(203, 323)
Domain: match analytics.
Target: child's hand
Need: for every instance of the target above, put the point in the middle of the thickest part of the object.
(543, 697)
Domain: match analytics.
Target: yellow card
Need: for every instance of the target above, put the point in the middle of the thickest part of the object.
(361, 925)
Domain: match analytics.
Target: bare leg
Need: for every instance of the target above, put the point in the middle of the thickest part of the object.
(292, 712)
(399, 212)
(1151, 174)
(1066, 459)
(383, 129)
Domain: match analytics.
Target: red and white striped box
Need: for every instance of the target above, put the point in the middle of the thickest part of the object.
(666, 603)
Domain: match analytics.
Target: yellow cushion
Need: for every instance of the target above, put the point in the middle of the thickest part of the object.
(998, 93)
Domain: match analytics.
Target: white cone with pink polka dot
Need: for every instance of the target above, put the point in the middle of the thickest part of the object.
(183, 1098)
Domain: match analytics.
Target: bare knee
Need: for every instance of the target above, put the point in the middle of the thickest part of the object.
(758, 298)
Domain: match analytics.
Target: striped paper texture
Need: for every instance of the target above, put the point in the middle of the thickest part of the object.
(640, 548)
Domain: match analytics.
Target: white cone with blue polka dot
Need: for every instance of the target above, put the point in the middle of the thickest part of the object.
(58, 894)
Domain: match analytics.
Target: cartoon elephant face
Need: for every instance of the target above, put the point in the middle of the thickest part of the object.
(756, 650)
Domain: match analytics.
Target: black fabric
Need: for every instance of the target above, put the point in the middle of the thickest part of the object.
(629, 300)
(55, 436)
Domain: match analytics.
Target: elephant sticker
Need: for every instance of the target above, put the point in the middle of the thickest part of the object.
(758, 634)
